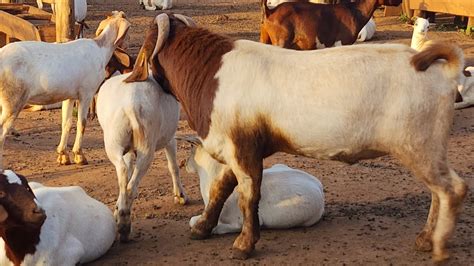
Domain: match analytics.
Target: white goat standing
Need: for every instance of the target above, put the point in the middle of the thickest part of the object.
(368, 31)
(289, 197)
(420, 29)
(466, 89)
(77, 229)
(74, 72)
(137, 119)
(153, 4)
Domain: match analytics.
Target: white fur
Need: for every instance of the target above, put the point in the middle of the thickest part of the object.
(80, 8)
(143, 118)
(466, 89)
(289, 197)
(153, 4)
(419, 37)
(368, 31)
(12, 178)
(73, 71)
(78, 228)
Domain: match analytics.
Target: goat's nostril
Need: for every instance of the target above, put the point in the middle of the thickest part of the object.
(38, 210)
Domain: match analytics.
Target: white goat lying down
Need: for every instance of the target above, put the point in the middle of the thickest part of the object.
(137, 119)
(466, 89)
(368, 31)
(153, 4)
(62, 226)
(289, 197)
(419, 38)
(74, 72)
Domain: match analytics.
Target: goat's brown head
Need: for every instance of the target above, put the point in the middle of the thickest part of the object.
(155, 40)
(120, 61)
(18, 205)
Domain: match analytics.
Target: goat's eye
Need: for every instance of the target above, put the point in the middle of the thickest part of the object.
(2, 194)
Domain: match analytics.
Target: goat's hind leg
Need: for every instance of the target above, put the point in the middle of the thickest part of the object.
(221, 188)
(83, 108)
(6, 122)
(180, 196)
(66, 124)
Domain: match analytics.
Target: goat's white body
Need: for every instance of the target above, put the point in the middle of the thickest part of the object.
(61, 79)
(78, 228)
(80, 8)
(138, 118)
(289, 197)
(368, 31)
(323, 115)
(44, 73)
(466, 90)
(153, 4)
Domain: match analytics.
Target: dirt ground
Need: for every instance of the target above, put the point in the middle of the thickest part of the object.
(374, 208)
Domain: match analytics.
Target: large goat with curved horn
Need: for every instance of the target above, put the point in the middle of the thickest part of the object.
(247, 100)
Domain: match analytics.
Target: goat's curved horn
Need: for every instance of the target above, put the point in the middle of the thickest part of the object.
(191, 139)
(163, 22)
(186, 20)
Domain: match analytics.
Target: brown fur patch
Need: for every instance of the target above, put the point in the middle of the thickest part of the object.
(20, 236)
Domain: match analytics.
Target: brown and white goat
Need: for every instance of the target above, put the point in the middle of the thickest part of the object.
(308, 26)
(278, 102)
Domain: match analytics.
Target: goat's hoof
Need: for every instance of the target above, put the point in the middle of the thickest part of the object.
(240, 254)
(423, 242)
(440, 259)
(181, 199)
(80, 159)
(124, 232)
(198, 234)
(63, 159)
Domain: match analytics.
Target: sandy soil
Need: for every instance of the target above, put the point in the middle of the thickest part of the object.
(374, 208)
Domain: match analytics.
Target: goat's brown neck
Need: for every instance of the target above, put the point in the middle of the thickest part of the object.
(19, 241)
(189, 62)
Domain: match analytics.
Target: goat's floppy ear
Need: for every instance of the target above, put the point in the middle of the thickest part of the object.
(194, 140)
(140, 69)
(154, 41)
(123, 26)
(122, 57)
(3, 214)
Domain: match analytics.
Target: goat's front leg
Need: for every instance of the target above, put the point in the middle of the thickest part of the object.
(82, 111)
(178, 190)
(249, 177)
(221, 188)
(66, 124)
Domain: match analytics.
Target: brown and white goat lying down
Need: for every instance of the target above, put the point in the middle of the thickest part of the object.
(247, 100)
(307, 26)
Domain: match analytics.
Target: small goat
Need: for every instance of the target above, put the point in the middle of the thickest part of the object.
(60, 226)
(75, 71)
(466, 90)
(420, 29)
(137, 119)
(153, 4)
(307, 26)
(290, 197)
(368, 113)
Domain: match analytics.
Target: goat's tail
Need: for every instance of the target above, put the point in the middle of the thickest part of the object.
(434, 51)
(138, 132)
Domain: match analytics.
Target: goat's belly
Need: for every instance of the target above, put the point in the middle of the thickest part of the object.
(49, 98)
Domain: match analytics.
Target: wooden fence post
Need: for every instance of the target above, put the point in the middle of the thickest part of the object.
(64, 20)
